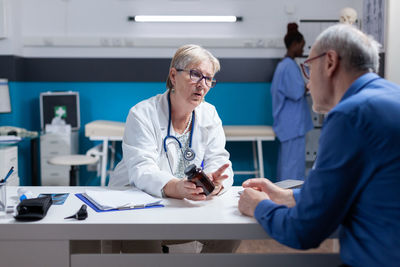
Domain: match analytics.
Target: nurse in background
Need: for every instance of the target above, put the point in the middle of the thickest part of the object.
(292, 118)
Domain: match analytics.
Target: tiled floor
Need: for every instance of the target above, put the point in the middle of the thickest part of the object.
(246, 246)
(272, 246)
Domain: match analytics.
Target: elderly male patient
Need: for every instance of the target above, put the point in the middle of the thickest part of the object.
(355, 183)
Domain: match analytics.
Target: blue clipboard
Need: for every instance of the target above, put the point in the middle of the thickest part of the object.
(90, 204)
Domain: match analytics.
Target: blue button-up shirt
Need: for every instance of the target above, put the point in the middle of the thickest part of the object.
(355, 183)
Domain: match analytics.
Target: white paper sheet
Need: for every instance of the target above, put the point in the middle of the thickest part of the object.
(121, 199)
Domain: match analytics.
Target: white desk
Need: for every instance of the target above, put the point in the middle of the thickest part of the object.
(46, 242)
(256, 134)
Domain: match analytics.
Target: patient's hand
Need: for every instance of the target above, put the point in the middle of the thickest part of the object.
(249, 200)
(274, 192)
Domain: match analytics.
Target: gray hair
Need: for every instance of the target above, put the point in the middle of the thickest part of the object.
(357, 50)
(190, 54)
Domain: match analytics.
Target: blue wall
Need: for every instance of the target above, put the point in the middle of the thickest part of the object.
(236, 103)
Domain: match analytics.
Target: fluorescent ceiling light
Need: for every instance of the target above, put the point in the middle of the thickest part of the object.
(144, 18)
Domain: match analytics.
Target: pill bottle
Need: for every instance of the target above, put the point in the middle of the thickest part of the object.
(198, 177)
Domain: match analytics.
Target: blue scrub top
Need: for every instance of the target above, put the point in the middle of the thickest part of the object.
(291, 114)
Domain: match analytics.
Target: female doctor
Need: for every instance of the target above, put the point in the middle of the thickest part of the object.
(168, 132)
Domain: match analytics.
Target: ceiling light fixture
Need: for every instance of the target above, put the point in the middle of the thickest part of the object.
(168, 18)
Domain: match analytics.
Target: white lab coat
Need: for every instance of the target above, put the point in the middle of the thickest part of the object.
(145, 165)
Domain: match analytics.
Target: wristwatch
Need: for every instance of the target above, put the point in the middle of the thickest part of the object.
(163, 193)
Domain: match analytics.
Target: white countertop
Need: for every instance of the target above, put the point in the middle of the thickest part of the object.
(216, 218)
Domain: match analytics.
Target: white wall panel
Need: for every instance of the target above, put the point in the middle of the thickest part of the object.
(10, 43)
(44, 17)
(101, 26)
(392, 67)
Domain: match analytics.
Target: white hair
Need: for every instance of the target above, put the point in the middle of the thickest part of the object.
(191, 54)
(357, 50)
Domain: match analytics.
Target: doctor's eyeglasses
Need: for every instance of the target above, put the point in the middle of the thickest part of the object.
(305, 67)
(196, 76)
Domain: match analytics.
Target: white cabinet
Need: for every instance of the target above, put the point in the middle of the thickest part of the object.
(56, 144)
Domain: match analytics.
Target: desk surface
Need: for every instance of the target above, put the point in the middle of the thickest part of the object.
(46, 243)
(217, 218)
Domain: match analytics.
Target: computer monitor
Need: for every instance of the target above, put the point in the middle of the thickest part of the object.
(62, 104)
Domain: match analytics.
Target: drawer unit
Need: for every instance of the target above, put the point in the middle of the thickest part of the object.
(51, 145)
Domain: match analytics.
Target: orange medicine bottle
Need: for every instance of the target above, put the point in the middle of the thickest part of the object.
(198, 177)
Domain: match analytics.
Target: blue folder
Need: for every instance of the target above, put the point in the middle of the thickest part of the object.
(90, 204)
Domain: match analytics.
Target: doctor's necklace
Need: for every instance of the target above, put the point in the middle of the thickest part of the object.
(187, 126)
(188, 154)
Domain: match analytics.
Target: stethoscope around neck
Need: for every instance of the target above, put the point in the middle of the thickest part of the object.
(189, 153)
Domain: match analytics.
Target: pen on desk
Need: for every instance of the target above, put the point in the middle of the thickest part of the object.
(131, 207)
(8, 175)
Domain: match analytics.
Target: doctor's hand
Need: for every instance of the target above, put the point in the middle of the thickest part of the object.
(274, 192)
(249, 200)
(217, 178)
(182, 188)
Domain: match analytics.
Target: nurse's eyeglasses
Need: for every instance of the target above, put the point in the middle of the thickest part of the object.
(305, 66)
(196, 76)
